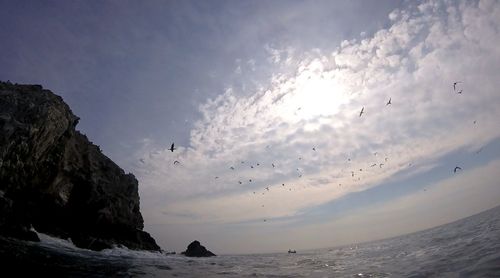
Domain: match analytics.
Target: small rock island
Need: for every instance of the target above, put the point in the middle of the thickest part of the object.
(53, 179)
(195, 249)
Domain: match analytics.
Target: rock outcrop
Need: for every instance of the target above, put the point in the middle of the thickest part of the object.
(54, 179)
(195, 249)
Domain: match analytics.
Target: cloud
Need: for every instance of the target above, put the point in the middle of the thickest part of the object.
(314, 102)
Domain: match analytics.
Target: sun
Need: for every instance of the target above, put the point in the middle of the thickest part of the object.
(315, 93)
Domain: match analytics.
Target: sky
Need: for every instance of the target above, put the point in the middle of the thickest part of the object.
(263, 102)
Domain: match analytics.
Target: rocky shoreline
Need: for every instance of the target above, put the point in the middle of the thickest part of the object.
(53, 179)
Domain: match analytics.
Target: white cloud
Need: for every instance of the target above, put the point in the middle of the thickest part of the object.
(315, 102)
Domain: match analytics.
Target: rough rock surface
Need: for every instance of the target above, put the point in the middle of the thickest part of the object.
(195, 249)
(53, 179)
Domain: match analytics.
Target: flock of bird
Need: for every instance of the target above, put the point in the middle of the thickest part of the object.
(299, 173)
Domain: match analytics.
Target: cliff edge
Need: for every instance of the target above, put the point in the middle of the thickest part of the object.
(54, 179)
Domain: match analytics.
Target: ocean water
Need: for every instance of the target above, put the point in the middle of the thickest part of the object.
(466, 248)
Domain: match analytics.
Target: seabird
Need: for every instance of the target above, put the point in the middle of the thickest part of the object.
(283, 184)
(455, 85)
(250, 180)
(273, 165)
(459, 92)
(239, 182)
(232, 168)
(389, 102)
(362, 109)
(216, 177)
(267, 188)
(474, 122)
(456, 168)
(176, 162)
(374, 164)
(251, 166)
(352, 173)
(314, 149)
(172, 148)
(141, 160)
(381, 165)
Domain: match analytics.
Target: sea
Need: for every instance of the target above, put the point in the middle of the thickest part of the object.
(466, 248)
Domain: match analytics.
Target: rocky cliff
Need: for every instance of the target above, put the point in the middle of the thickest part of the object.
(54, 179)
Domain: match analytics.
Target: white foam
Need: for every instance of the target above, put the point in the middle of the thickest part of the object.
(115, 252)
(122, 251)
(51, 241)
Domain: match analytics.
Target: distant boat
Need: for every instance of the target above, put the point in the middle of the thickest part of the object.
(290, 251)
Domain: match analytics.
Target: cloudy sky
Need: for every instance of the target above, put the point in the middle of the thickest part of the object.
(263, 99)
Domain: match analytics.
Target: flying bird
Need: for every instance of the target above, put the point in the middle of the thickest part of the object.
(267, 188)
(456, 169)
(232, 168)
(362, 110)
(459, 92)
(172, 148)
(374, 164)
(381, 164)
(314, 149)
(455, 85)
(176, 162)
(273, 165)
(141, 160)
(389, 102)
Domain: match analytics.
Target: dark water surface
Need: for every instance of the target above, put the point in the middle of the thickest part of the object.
(466, 248)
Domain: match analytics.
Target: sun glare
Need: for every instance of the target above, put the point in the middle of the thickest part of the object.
(316, 93)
